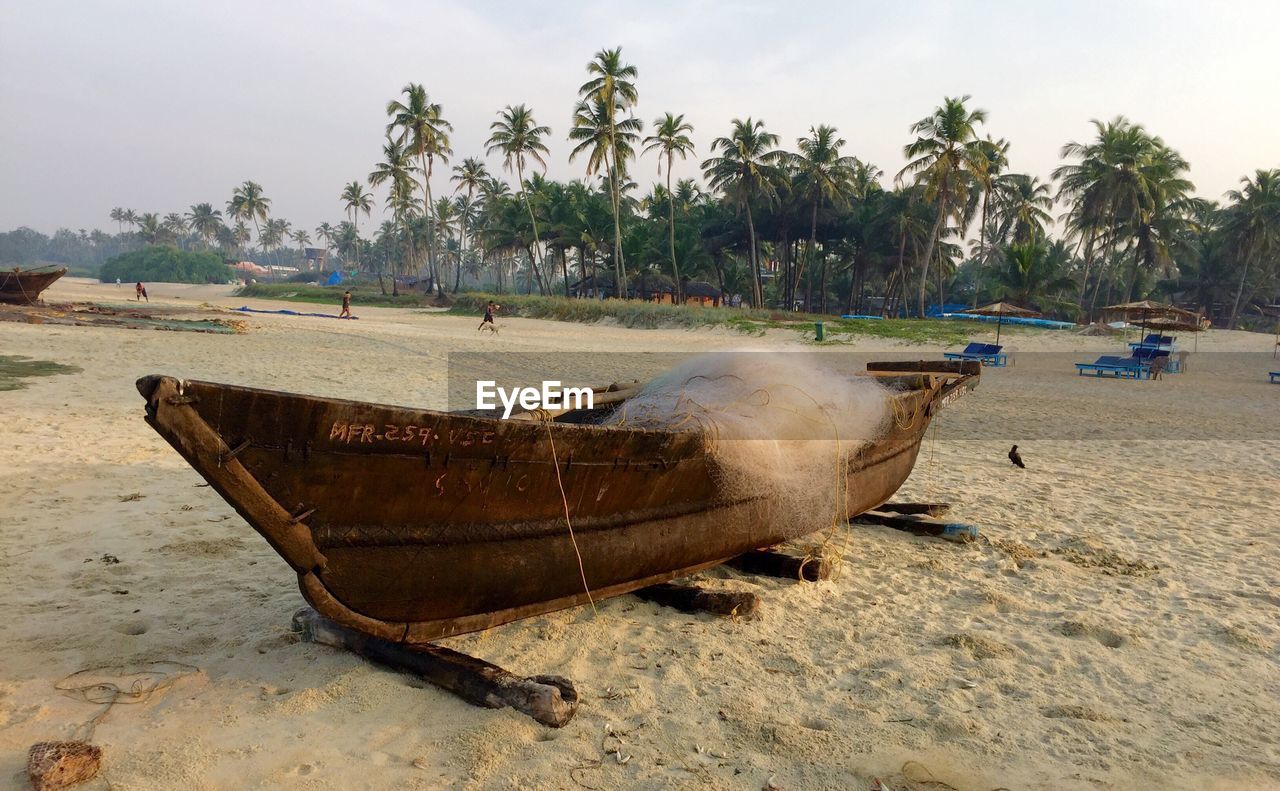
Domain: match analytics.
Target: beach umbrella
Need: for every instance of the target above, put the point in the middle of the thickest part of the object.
(1000, 310)
(1179, 324)
(1147, 309)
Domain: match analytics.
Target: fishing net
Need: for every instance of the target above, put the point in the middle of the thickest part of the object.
(781, 427)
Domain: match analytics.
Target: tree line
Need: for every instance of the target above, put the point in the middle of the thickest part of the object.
(808, 226)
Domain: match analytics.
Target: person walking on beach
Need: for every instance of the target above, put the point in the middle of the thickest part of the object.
(488, 315)
(346, 305)
(141, 292)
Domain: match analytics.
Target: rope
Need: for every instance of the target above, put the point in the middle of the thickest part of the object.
(112, 684)
(565, 499)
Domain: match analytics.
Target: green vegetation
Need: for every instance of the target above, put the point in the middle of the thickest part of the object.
(162, 264)
(779, 223)
(13, 369)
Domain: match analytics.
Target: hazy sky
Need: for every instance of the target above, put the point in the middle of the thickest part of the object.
(155, 106)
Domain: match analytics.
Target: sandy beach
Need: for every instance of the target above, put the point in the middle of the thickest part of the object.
(1118, 627)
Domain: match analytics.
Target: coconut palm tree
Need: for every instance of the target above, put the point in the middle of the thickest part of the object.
(205, 221)
(612, 86)
(992, 159)
(249, 203)
(605, 142)
(470, 175)
(517, 135)
(746, 168)
(326, 232)
(118, 217)
(150, 227)
(1253, 228)
(822, 176)
(356, 200)
(1032, 273)
(1022, 203)
(396, 170)
(943, 158)
(671, 138)
(425, 132)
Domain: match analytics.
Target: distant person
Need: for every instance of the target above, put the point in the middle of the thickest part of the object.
(346, 305)
(489, 310)
(141, 292)
(117, 282)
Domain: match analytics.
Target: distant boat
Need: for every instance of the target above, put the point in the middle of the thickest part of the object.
(412, 525)
(24, 287)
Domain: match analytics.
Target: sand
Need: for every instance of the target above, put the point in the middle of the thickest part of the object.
(1119, 626)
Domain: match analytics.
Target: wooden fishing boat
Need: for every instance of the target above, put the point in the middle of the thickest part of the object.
(23, 287)
(411, 525)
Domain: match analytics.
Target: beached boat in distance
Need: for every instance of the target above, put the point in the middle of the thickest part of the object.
(411, 525)
(23, 287)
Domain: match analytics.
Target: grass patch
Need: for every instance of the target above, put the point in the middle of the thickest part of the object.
(641, 315)
(13, 369)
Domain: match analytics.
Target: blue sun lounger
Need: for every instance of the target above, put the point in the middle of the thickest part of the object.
(1275, 377)
(1118, 367)
(1148, 354)
(985, 353)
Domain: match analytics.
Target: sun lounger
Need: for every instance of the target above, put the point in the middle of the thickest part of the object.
(1148, 355)
(1118, 367)
(985, 353)
(1275, 377)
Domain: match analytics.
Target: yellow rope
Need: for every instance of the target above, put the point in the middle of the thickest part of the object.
(565, 499)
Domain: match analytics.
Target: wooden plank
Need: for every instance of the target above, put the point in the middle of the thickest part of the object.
(551, 700)
(690, 598)
(919, 525)
(778, 564)
(929, 509)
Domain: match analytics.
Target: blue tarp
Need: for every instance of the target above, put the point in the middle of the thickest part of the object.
(856, 316)
(247, 309)
(334, 279)
(1044, 323)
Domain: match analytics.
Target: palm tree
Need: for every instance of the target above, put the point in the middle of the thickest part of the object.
(205, 221)
(118, 217)
(301, 238)
(671, 137)
(326, 232)
(746, 169)
(150, 227)
(596, 136)
(612, 87)
(175, 227)
(517, 135)
(396, 169)
(991, 161)
(356, 200)
(248, 203)
(823, 176)
(1032, 273)
(1023, 204)
(1253, 226)
(471, 175)
(946, 152)
(424, 130)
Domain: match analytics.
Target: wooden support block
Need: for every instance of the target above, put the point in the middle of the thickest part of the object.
(919, 525)
(778, 564)
(930, 509)
(690, 598)
(551, 700)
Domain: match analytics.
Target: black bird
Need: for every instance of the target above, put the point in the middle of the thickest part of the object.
(1015, 458)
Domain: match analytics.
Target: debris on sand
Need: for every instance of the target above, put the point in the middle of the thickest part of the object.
(55, 765)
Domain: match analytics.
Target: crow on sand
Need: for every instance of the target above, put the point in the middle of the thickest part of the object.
(1015, 458)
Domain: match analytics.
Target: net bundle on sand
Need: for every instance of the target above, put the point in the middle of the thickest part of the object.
(781, 427)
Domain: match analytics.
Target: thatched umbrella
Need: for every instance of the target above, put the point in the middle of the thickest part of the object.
(1000, 310)
(1147, 309)
(1163, 323)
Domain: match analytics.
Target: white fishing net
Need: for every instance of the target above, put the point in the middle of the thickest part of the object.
(781, 426)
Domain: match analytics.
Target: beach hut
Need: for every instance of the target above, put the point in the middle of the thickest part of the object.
(697, 292)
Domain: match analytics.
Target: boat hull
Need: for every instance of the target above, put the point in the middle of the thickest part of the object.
(414, 525)
(24, 288)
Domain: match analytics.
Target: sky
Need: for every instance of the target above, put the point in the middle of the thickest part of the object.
(155, 105)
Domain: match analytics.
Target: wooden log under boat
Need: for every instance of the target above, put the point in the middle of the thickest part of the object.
(23, 287)
(411, 525)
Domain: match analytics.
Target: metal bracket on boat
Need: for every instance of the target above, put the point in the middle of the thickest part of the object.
(231, 454)
(181, 400)
(295, 519)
